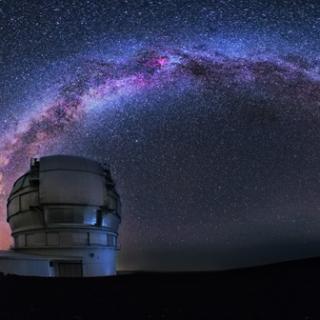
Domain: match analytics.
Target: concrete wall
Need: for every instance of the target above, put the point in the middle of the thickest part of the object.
(25, 267)
(95, 261)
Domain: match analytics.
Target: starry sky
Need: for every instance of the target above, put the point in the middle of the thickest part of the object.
(208, 113)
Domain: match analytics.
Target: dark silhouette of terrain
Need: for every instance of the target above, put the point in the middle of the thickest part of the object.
(288, 290)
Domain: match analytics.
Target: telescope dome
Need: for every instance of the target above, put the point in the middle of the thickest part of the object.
(62, 203)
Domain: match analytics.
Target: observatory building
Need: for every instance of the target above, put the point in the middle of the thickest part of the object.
(64, 215)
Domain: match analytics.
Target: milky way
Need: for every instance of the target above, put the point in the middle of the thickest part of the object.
(289, 78)
(207, 113)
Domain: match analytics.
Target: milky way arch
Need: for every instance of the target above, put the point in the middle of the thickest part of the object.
(98, 82)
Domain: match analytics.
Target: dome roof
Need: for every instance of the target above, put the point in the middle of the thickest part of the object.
(63, 189)
(66, 162)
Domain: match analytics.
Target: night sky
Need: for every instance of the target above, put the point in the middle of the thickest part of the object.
(208, 113)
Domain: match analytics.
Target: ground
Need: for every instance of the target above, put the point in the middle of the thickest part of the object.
(288, 290)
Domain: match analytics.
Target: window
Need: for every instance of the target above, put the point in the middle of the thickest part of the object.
(74, 215)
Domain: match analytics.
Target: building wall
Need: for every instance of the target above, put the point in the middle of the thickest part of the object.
(95, 261)
(26, 267)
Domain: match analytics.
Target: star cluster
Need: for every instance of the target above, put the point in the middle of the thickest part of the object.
(208, 114)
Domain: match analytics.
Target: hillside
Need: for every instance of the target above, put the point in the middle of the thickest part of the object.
(288, 290)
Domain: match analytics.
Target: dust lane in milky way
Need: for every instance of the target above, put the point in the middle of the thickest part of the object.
(96, 83)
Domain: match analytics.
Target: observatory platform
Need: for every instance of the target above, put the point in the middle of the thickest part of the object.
(64, 215)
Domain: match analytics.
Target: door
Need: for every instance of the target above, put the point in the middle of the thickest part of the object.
(70, 269)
